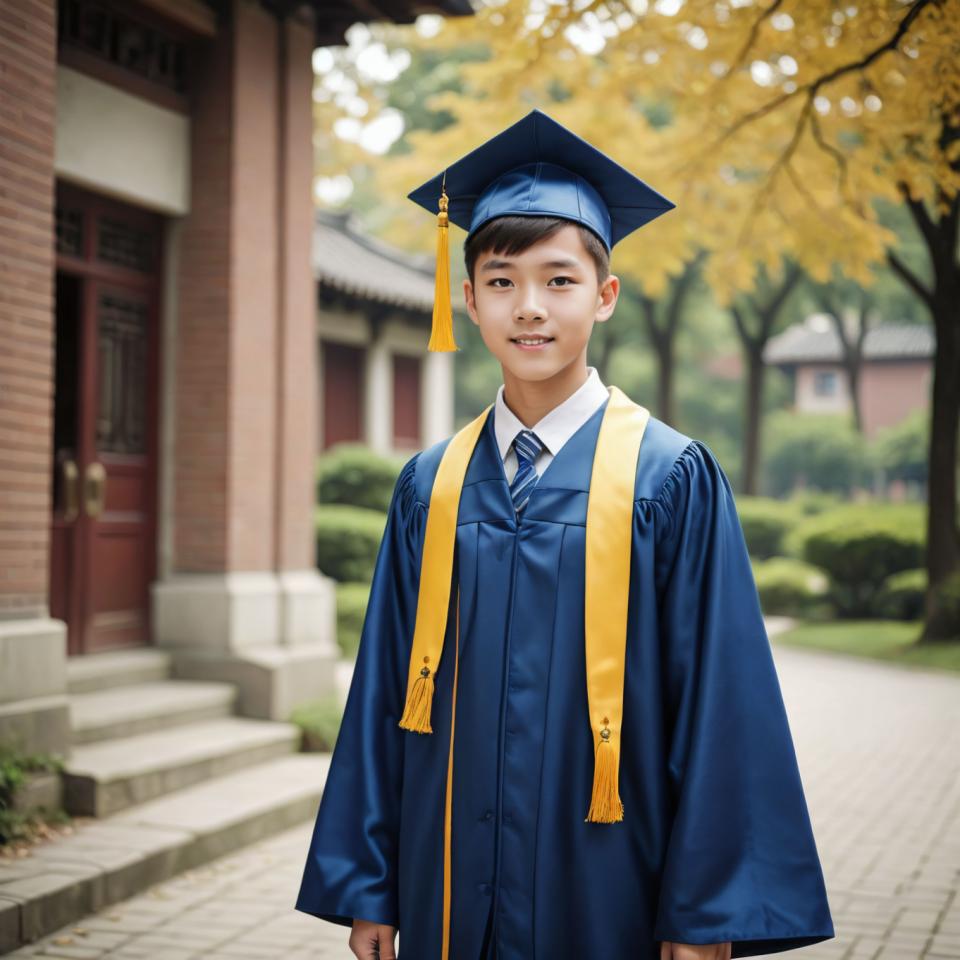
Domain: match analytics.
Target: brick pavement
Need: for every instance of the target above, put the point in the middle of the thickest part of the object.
(879, 751)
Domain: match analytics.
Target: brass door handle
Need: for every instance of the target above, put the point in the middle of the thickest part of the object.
(94, 489)
(68, 470)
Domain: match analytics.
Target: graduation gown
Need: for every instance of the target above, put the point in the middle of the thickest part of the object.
(716, 841)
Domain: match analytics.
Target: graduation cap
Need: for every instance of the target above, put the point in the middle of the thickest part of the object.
(536, 167)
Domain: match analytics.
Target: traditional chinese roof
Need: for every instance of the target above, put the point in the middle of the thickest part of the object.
(804, 343)
(350, 261)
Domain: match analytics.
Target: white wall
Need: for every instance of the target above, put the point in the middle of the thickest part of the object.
(121, 145)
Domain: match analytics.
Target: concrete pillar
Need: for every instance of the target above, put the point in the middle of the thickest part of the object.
(437, 389)
(378, 397)
(243, 600)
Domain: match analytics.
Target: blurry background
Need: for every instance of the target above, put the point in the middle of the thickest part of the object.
(216, 300)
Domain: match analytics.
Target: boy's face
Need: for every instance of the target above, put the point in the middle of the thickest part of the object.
(548, 291)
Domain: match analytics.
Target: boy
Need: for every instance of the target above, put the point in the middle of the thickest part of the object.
(565, 735)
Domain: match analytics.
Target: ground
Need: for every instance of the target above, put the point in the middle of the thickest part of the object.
(879, 753)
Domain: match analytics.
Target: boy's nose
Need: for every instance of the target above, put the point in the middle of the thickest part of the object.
(528, 310)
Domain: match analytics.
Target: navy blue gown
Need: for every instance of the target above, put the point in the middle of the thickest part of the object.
(716, 841)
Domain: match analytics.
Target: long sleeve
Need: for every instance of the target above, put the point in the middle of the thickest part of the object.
(741, 863)
(351, 867)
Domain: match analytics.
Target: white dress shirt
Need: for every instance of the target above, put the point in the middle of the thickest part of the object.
(554, 429)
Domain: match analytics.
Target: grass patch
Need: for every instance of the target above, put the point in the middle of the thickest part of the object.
(891, 640)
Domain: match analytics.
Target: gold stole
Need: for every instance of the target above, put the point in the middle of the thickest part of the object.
(609, 539)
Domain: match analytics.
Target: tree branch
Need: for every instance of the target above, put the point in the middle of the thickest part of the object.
(811, 87)
(751, 39)
(910, 278)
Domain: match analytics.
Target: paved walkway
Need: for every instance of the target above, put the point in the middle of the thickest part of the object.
(879, 751)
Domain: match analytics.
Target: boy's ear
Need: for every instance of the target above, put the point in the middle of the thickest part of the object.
(609, 292)
(470, 302)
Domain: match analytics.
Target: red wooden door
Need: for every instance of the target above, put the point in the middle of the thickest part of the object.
(406, 401)
(103, 543)
(342, 393)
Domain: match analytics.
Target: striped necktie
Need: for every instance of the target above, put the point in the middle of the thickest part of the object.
(527, 445)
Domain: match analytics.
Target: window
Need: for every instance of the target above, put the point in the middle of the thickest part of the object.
(825, 383)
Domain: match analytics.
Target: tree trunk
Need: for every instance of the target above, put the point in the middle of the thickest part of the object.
(754, 342)
(665, 379)
(943, 541)
(943, 300)
(754, 415)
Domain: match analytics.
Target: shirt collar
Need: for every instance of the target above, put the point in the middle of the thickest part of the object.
(559, 424)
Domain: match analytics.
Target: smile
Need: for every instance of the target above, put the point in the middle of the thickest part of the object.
(531, 343)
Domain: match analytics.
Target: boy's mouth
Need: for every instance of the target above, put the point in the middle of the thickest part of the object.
(533, 342)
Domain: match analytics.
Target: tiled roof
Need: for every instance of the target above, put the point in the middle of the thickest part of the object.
(366, 267)
(805, 343)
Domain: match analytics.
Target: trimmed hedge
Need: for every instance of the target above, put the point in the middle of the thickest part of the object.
(859, 546)
(765, 522)
(348, 539)
(353, 475)
(901, 595)
(813, 450)
(789, 587)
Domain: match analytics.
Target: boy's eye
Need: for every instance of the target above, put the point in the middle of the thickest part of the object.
(495, 282)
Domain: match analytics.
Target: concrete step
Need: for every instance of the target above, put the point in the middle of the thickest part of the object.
(145, 707)
(107, 861)
(116, 668)
(103, 778)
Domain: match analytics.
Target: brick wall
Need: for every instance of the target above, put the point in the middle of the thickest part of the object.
(27, 96)
(246, 354)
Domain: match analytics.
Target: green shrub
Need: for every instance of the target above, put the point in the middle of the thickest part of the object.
(789, 587)
(807, 503)
(319, 723)
(351, 609)
(859, 546)
(901, 595)
(348, 539)
(353, 475)
(902, 450)
(765, 523)
(814, 450)
(15, 768)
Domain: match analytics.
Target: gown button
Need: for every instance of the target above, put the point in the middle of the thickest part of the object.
(488, 815)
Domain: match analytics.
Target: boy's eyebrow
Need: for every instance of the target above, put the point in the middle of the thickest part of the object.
(503, 264)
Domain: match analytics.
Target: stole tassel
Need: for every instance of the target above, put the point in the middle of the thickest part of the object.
(441, 335)
(416, 712)
(605, 804)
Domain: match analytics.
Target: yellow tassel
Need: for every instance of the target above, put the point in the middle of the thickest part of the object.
(441, 336)
(605, 805)
(416, 712)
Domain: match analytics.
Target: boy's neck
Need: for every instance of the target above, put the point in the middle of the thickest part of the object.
(532, 400)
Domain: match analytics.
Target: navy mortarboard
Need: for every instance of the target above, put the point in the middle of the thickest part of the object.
(536, 167)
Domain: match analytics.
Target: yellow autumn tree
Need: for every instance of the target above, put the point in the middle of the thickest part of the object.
(775, 127)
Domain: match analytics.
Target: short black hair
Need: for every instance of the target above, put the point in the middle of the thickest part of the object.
(511, 234)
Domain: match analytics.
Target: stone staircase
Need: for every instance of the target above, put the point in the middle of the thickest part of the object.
(174, 779)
